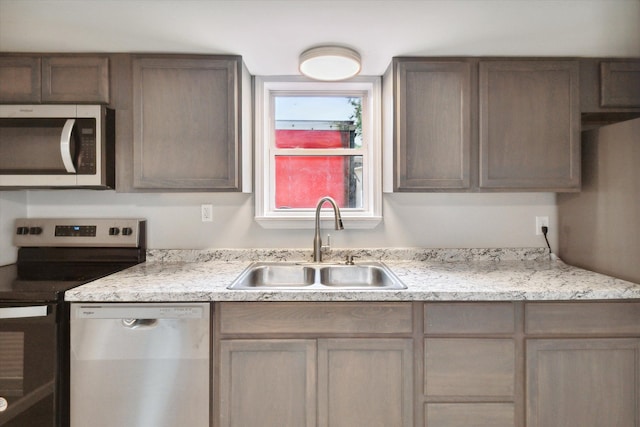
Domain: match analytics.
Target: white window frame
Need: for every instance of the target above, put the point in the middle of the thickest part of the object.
(370, 215)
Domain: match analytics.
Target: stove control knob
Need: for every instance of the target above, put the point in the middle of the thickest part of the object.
(35, 230)
(127, 231)
(114, 231)
(22, 230)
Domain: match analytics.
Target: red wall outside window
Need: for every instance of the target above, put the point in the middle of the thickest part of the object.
(302, 180)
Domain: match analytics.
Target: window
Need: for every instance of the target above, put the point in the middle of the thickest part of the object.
(316, 139)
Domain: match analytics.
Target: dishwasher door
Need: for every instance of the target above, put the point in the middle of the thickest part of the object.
(140, 365)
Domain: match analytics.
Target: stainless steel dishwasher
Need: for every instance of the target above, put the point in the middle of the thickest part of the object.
(140, 365)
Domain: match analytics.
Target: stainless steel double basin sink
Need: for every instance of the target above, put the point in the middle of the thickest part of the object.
(317, 276)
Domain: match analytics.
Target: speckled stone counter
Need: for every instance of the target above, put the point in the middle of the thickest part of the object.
(429, 274)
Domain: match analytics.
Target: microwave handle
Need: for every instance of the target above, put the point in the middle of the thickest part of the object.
(23, 312)
(65, 146)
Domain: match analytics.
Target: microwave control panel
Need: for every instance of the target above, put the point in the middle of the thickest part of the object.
(86, 139)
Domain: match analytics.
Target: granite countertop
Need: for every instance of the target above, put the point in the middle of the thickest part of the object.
(429, 274)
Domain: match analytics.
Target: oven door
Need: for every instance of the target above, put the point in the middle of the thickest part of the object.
(28, 365)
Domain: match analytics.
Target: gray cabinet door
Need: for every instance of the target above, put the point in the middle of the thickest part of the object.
(268, 383)
(529, 125)
(432, 117)
(365, 382)
(620, 84)
(185, 123)
(81, 79)
(583, 382)
(57, 78)
(20, 79)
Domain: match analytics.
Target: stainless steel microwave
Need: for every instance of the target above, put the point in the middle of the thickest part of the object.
(57, 146)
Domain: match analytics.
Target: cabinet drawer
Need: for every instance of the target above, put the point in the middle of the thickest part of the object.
(470, 367)
(583, 318)
(469, 414)
(314, 317)
(469, 318)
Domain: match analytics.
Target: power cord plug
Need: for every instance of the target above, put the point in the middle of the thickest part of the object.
(545, 230)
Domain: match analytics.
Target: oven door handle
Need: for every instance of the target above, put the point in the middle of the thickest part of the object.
(65, 145)
(23, 312)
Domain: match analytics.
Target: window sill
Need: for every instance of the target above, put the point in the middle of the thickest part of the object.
(309, 223)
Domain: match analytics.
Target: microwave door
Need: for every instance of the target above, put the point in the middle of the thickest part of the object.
(37, 152)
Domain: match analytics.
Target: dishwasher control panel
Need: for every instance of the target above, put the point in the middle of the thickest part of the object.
(139, 311)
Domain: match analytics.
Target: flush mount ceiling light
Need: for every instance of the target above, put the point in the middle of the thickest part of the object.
(330, 63)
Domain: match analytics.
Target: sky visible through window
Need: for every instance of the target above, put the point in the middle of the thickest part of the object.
(313, 108)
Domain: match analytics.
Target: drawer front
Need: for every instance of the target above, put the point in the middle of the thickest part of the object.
(469, 318)
(469, 414)
(315, 318)
(469, 367)
(583, 318)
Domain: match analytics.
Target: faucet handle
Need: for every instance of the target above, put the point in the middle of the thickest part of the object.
(349, 259)
(327, 247)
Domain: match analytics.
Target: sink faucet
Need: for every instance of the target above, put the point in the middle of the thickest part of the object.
(317, 241)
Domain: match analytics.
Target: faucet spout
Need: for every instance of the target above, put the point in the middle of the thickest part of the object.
(317, 240)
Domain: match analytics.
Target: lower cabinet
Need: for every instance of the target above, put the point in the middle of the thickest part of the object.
(583, 364)
(435, 364)
(470, 365)
(268, 383)
(338, 382)
(365, 382)
(339, 364)
(583, 382)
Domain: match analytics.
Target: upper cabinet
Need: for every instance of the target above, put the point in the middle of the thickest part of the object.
(187, 122)
(620, 84)
(483, 124)
(432, 117)
(20, 79)
(609, 90)
(54, 79)
(529, 125)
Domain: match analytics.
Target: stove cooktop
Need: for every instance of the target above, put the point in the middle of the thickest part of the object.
(59, 254)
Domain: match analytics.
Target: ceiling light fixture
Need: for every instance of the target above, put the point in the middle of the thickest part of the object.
(330, 63)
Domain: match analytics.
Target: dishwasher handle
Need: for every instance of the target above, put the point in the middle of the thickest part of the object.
(139, 323)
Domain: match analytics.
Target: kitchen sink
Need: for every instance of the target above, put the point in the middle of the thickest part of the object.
(276, 275)
(316, 276)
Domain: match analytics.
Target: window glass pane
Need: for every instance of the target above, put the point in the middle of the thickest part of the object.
(318, 122)
(307, 134)
(302, 180)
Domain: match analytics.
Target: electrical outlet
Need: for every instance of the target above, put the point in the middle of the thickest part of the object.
(207, 213)
(541, 221)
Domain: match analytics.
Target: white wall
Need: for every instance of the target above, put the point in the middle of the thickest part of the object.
(470, 27)
(599, 227)
(410, 220)
(12, 206)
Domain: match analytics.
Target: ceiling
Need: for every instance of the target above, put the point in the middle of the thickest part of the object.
(270, 34)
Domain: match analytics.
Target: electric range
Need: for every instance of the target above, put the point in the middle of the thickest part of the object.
(54, 255)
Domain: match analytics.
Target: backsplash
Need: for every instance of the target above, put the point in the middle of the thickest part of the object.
(338, 255)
